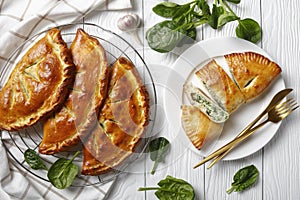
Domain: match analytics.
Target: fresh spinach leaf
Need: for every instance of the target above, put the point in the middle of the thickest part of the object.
(158, 148)
(221, 14)
(244, 179)
(225, 18)
(173, 188)
(184, 19)
(63, 172)
(192, 34)
(217, 11)
(234, 1)
(33, 160)
(166, 9)
(183, 14)
(248, 29)
(164, 36)
(204, 7)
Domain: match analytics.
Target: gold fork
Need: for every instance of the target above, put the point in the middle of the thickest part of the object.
(278, 113)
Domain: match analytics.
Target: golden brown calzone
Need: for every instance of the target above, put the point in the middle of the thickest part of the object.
(38, 84)
(79, 114)
(252, 72)
(197, 126)
(122, 121)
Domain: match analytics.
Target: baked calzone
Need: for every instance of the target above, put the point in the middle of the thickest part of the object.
(122, 121)
(74, 121)
(221, 87)
(198, 127)
(38, 84)
(200, 100)
(252, 72)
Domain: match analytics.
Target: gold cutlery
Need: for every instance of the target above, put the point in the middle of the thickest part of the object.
(281, 110)
(275, 100)
(275, 115)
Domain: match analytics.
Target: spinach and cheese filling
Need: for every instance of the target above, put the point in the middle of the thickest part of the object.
(198, 99)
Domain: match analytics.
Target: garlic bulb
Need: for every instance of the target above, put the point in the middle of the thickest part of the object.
(129, 23)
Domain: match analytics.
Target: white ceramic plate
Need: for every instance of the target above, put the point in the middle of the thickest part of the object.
(182, 71)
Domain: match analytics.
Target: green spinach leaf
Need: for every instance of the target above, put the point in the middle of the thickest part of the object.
(33, 160)
(63, 172)
(221, 14)
(166, 9)
(225, 18)
(173, 188)
(244, 179)
(204, 7)
(217, 11)
(192, 34)
(158, 148)
(183, 14)
(248, 29)
(164, 36)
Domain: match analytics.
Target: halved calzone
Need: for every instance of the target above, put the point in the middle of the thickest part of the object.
(79, 114)
(252, 72)
(221, 87)
(198, 127)
(198, 99)
(39, 83)
(122, 121)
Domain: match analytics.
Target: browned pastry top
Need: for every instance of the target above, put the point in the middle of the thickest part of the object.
(122, 121)
(220, 86)
(253, 72)
(79, 114)
(38, 84)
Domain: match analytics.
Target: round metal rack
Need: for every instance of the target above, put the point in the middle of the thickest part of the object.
(17, 142)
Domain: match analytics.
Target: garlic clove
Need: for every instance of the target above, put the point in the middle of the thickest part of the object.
(128, 22)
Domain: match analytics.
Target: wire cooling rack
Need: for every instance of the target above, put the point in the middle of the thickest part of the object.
(17, 142)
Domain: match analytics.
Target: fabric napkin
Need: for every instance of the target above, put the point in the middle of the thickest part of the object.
(20, 19)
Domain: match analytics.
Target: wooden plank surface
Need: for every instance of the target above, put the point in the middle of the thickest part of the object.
(281, 156)
(278, 162)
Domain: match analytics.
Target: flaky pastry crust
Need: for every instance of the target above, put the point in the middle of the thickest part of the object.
(122, 121)
(73, 122)
(221, 86)
(252, 72)
(39, 83)
(197, 126)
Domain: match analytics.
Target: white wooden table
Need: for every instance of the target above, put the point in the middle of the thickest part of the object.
(278, 162)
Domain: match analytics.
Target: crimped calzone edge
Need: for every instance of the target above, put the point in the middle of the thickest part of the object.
(197, 126)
